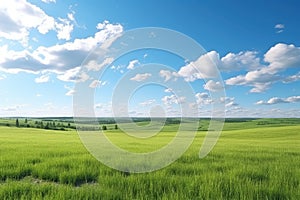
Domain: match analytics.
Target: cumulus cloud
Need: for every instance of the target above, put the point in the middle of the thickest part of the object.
(42, 79)
(168, 75)
(277, 100)
(207, 65)
(242, 60)
(279, 58)
(203, 67)
(173, 99)
(203, 98)
(132, 64)
(19, 17)
(64, 29)
(213, 86)
(141, 77)
(58, 58)
(259, 79)
(282, 56)
(73, 75)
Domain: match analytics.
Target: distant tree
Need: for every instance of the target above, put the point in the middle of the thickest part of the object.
(69, 125)
(104, 127)
(17, 122)
(47, 125)
(26, 121)
(116, 126)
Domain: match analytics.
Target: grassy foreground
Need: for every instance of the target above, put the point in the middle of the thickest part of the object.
(259, 162)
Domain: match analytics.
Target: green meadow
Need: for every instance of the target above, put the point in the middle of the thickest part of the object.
(253, 159)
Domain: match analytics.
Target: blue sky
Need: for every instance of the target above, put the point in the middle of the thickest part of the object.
(255, 44)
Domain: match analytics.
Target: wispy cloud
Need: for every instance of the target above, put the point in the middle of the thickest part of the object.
(70, 92)
(97, 83)
(49, 1)
(148, 102)
(141, 77)
(2, 76)
(42, 79)
(279, 28)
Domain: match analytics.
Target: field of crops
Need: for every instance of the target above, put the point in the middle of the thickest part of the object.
(255, 159)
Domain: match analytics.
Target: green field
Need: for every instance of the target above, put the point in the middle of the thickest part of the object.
(253, 159)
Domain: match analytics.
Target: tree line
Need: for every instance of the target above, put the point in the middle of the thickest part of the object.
(56, 125)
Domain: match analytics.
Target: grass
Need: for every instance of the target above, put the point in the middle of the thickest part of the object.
(251, 160)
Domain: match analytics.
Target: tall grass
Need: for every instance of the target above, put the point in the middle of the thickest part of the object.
(257, 163)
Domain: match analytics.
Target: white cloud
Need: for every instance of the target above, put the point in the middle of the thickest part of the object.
(277, 100)
(213, 86)
(203, 98)
(168, 90)
(229, 101)
(259, 79)
(95, 66)
(62, 59)
(141, 77)
(292, 78)
(148, 102)
(203, 67)
(279, 28)
(73, 75)
(102, 25)
(279, 58)
(70, 92)
(132, 64)
(19, 17)
(97, 83)
(119, 68)
(49, 1)
(64, 29)
(57, 58)
(168, 100)
(282, 56)
(168, 75)
(2, 76)
(42, 79)
(242, 60)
